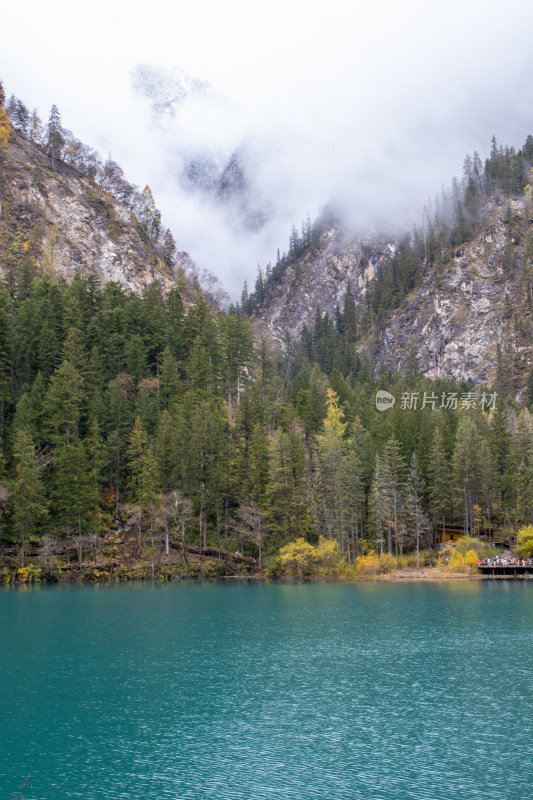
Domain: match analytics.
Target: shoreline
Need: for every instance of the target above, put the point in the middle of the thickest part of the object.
(174, 572)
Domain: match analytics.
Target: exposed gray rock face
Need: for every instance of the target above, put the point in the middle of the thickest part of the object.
(79, 227)
(466, 319)
(459, 316)
(319, 279)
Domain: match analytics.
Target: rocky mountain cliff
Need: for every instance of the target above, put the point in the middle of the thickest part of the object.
(319, 278)
(465, 310)
(469, 316)
(69, 224)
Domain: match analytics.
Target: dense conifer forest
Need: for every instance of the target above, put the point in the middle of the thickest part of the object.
(114, 405)
(118, 409)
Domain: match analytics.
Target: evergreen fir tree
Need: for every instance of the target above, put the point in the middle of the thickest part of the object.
(55, 140)
(440, 481)
(417, 521)
(28, 496)
(70, 490)
(142, 469)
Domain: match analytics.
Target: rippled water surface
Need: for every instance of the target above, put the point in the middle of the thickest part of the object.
(221, 691)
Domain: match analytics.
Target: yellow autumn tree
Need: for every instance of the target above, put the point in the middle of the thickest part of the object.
(328, 556)
(301, 560)
(525, 542)
(332, 450)
(334, 422)
(297, 558)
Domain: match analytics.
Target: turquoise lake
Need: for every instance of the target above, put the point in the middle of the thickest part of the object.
(260, 692)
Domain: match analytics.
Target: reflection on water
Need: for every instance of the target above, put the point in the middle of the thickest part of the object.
(260, 692)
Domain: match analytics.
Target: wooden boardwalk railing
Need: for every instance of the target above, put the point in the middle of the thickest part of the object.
(505, 567)
(215, 552)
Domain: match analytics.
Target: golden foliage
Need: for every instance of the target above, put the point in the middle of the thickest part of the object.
(372, 564)
(525, 542)
(5, 130)
(334, 421)
(463, 562)
(300, 559)
(28, 574)
(297, 558)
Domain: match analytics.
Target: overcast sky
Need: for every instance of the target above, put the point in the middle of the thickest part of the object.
(372, 105)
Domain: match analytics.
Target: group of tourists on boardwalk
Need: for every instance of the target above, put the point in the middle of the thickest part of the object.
(499, 561)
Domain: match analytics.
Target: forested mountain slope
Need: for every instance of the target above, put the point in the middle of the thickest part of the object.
(128, 413)
(451, 298)
(471, 316)
(318, 275)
